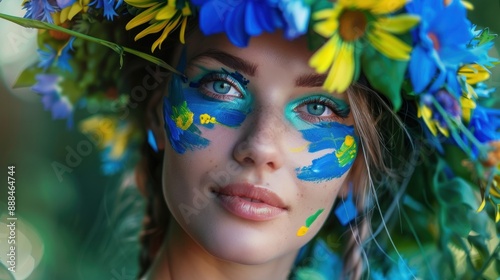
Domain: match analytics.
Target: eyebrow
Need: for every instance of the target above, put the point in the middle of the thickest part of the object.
(230, 61)
(310, 80)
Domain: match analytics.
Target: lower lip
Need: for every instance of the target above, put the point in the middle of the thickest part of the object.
(255, 211)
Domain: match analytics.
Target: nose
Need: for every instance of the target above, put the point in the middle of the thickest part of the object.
(260, 146)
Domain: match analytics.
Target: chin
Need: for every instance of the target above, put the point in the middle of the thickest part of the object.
(244, 244)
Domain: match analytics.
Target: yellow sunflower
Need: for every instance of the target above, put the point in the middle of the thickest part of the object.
(161, 16)
(350, 21)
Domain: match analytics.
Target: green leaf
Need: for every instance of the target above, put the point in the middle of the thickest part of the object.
(455, 193)
(27, 77)
(384, 74)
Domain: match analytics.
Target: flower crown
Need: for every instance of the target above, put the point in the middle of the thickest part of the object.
(422, 51)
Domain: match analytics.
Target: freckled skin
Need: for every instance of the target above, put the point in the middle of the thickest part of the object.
(260, 148)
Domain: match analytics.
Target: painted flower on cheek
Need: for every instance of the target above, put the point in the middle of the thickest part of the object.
(332, 165)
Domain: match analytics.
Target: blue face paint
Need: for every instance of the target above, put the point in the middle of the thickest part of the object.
(324, 132)
(187, 107)
(219, 98)
(181, 132)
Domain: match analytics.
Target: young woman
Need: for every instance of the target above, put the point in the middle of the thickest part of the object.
(287, 134)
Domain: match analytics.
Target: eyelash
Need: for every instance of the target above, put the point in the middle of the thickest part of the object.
(222, 77)
(338, 115)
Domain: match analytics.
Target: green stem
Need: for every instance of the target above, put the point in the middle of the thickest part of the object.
(458, 125)
(30, 23)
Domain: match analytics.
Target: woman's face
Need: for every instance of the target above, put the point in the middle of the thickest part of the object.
(257, 149)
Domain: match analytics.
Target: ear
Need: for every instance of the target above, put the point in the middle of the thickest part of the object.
(154, 117)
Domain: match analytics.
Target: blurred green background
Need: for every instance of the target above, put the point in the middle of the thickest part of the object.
(85, 226)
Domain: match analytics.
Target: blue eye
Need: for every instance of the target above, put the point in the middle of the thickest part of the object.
(321, 109)
(221, 87)
(316, 109)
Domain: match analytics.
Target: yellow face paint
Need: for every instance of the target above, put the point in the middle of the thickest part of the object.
(303, 229)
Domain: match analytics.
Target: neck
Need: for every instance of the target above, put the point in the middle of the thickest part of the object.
(180, 257)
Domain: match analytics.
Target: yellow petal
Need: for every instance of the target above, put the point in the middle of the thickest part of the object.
(183, 31)
(441, 129)
(474, 73)
(166, 12)
(322, 14)
(387, 6)
(142, 18)
(323, 58)
(326, 28)
(75, 9)
(389, 45)
(426, 114)
(398, 24)
(340, 76)
(154, 28)
(468, 5)
(467, 106)
(186, 11)
(64, 14)
(171, 26)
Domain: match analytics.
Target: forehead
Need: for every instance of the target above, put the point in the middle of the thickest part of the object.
(268, 48)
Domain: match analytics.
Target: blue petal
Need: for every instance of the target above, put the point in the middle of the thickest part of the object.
(252, 24)
(265, 19)
(211, 20)
(422, 69)
(235, 27)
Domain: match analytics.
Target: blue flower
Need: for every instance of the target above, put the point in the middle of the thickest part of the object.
(40, 10)
(48, 87)
(109, 9)
(296, 14)
(47, 57)
(239, 19)
(485, 124)
(64, 56)
(440, 44)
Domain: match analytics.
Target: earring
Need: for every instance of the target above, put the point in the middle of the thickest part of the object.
(152, 141)
(346, 211)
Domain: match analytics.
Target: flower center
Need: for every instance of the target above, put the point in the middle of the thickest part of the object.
(435, 40)
(352, 25)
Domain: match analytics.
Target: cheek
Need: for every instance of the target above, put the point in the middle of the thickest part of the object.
(187, 113)
(316, 203)
(333, 149)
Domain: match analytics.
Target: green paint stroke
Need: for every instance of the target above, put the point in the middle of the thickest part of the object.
(313, 217)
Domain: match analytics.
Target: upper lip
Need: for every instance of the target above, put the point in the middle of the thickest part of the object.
(251, 191)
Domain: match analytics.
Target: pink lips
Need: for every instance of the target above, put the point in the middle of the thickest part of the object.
(251, 202)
